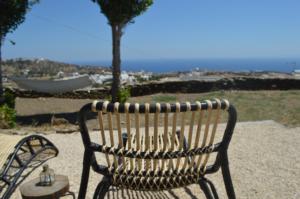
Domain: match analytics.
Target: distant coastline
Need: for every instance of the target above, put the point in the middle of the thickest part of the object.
(283, 65)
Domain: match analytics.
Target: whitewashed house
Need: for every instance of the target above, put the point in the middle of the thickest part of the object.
(296, 73)
(60, 74)
(101, 79)
(127, 78)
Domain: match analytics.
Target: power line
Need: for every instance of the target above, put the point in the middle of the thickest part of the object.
(79, 31)
(47, 19)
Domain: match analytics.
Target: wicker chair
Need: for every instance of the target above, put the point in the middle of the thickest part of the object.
(19, 156)
(157, 156)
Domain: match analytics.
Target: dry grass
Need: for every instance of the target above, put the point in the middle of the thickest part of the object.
(280, 106)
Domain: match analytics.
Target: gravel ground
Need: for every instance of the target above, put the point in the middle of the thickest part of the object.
(264, 161)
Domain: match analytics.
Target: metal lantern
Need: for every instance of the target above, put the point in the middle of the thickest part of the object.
(47, 176)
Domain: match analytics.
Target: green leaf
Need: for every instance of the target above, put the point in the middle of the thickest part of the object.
(13, 14)
(122, 12)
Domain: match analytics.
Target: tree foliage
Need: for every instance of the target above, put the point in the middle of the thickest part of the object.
(122, 12)
(12, 14)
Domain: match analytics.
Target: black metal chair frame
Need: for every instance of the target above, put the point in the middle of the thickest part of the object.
(208, 188)
(11, 182)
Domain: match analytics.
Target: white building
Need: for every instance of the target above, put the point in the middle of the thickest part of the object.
(125, 78)
(75, 74)
(60, 74)
(101, 79)
(25, 72)
(296, 73)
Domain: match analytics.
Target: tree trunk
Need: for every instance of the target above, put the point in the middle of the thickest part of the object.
(116, 62)
(1, 84)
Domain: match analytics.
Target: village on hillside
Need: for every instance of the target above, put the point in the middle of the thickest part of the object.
(100, 76)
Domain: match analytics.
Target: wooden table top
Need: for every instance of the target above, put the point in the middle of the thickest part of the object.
(30, 190)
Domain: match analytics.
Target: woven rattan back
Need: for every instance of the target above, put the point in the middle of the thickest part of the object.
(158, 137)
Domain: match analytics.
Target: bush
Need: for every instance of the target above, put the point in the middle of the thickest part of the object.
(9, 99)
(124, 95)
(7, 117)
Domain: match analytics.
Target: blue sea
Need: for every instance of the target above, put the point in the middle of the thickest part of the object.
(285, 65)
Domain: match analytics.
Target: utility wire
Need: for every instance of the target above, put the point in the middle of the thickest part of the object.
(47, 19)
(93, 36)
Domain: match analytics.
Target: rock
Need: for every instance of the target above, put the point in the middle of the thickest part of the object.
(66, 131)
(58, 121)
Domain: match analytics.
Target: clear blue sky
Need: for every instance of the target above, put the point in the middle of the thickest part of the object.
(75, 30)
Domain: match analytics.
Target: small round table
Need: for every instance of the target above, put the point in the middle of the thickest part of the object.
(60, 187)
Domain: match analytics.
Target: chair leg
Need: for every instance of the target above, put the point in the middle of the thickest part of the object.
(205, 188)
(213, 189)
(70, 193)
(227, 178)
(85, 174)
(102, 188)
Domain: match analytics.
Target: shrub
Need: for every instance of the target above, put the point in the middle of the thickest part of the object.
(7, 117)
(124, 95)
(9, 99)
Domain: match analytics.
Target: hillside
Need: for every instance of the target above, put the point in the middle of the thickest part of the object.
(45, 68)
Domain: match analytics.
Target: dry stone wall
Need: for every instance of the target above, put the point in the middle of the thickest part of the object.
(177, 87)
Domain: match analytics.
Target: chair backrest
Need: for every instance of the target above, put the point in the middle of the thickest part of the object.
(19, 156)
(160, 137)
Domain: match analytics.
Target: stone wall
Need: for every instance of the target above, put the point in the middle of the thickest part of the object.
(78, 94)
(223, 84)
(178, 87)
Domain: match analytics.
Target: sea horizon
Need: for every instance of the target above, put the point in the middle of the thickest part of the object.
(283, 65)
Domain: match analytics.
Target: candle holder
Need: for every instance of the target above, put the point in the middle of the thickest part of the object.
(47, 176)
